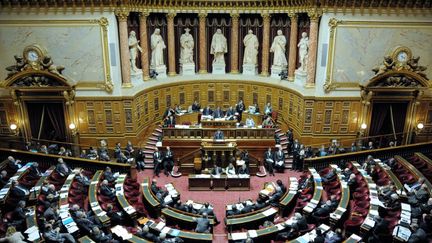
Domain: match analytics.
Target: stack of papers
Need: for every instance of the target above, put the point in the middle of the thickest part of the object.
(33, 233)
(252, 233)
(121, 232)
(269, 212)
(239, 236)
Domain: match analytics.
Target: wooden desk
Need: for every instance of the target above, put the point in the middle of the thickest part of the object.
(208, 133)
(16, 177)
(187, 118)
(251, 221)
(185, 220)
(306, 237)
(35, 191)
(86, 239)
(220, 183)
(218, 123)
(133, 239)
(288, 198)
(256, 117)
(151, 204)
(31, 221)
(263, 235)
(94, 203)
(393, 178)
(127, 208)
(187, 236)
(67, 220)
(344, 200)
(221, 151)
(318, 191)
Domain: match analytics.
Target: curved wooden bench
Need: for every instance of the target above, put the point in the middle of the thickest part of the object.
(251, 221)
(151, 204)
(183, 219)
(318, 192)
(93, 200)
(127, 208)
(344, 199)
(4, 193)
(63, 203)
(35, 191)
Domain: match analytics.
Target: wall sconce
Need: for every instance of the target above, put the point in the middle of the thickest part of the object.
(419, 127)
(74, 130)
(363, 127)
(14, 129)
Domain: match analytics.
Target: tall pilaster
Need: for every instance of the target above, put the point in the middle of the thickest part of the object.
(144, 45)
(122, 17)
(266, 44)
(292, 56)
(313, 45)
(171, 45)
(234, 42)
(202, 43)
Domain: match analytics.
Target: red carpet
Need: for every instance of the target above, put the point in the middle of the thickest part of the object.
(218, 198)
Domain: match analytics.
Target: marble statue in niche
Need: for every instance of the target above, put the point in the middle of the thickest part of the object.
(186, 47)
(278, 48)
(133, 51)
(303, 47)
(219, 47)
(251, 48)
(157, 48)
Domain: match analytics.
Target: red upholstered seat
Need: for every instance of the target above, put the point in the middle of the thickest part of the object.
(40, 209)
(362, 204)
(325, 171)
(353, 223)
(9, 216)
(360, 211)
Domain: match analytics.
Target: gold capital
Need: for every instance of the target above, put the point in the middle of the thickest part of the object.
(122, 15)
(170, 16)
(202, 15)
(314, 15)
(235, 16)
(266, 16)
(144, 14)
(293, 16)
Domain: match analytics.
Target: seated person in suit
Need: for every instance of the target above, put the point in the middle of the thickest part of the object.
(330, 176)
(268, 109)
(216, 170)
(259, 204)
(267, 123)
(419, 196)
(280, 184)
(207, 111)
(117, 218)
(168, 112)
(18, 191)
(62, 168)
(209, 211)
(418, 234)
(335, 237)
(233, 211)
(352, 182)
(34, 172)
(155, 189)
(82, 179)
(415, 186)
(4, 178)
(323, 211)
(19, 214)
(146, 234)
(257, 109)
(319, 237)
(99, 236)
(279, 159)
(13, 164)
(346, 173)
(196, 106)
(106, 190)
(230, 169)
(274, 199)
(250, 122)
(218, 113)
(203, 224)
(243, 170)
(247, 208)
(177, 109)
(51, 215)
(109, 176)
(218, 135)
(292, 231)
(84, 223)
(169, 121)
(180, 206)
(54, 235)
(230, 113)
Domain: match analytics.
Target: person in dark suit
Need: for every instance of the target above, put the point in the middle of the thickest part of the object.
(196, 106)
(209, 211)
(13, 165)
(117, 150)
(247, 208)
(218, 135)
(243, 170)
(203, 224)
(259, 204)
(330, 176)
(418, 235)
(280, 184)
(82, 179)
(170, 121)
(180, 206)
(207, 111)
(279, 160)
(34, 172)
(334, 238)
(216, 170)
(108, 175)
(157, 161)
(117, 218)
(107, 191)
(154, 187)
(296, 154)
(245, 157)
(218, 113)
(269, 161)
(51, 215)
(139, 159)
(233, 211)
(168, 112)
(100, 237)
(62, 169)
(146, 234)
(4, 178)
(240, 107)
(168, 161)
(129, 150)
(84, 223)
(54, 235)
(322, 211)
(230, 113)
(19, 214)
(274, 199)
(18, 191)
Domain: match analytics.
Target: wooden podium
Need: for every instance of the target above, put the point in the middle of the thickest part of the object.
(219, 151)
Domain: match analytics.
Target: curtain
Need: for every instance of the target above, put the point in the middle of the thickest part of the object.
(250, 22)
(182, 21)
(214, 22)
(379, 115)
(34, 111)
(55, 118)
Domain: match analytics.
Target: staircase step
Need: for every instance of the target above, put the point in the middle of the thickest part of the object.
(148, 166)
(284, 142)
(149, 151)
(156, 134)
(150, 142)
(150, 147)
(154, 138)
(148, 161)
(148, 156)
(278, 130)
(159, 130)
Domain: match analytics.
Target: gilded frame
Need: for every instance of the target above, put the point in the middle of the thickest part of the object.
(333, 24)
(107, 83)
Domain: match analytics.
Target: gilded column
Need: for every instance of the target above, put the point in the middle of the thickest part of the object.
(292, 55)
(144, 45)
(171, 45)
(202, 43)
(265, 45)
(234, 43)
(124, 48)
(313, 44)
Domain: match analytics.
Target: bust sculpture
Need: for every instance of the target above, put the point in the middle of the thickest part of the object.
(133, 51)
(278, 48)
(251, 48)
(218, 47)
(303, 46)
(157, 48)
(186, 47)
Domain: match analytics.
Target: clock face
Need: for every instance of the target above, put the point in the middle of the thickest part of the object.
(402, 56)
(32, 56)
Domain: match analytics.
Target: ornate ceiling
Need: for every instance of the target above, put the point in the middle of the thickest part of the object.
(215, 5)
